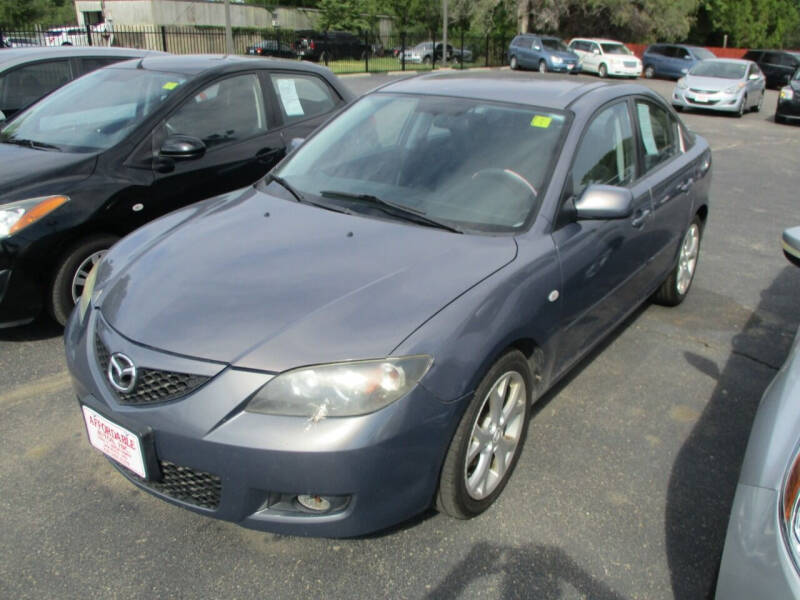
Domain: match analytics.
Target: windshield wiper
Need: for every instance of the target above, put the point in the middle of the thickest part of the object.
(399, 210)
(31, 144)
(287, 186)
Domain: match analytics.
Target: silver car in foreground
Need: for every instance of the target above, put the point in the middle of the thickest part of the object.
(724, 84)
(762, 547)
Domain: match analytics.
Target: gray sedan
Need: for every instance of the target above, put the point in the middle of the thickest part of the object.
(762, 547)
(722, 84)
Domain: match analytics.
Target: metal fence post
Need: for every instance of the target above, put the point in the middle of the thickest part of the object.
(433, 54)
(403, 50)
(503, 49)
(89, 34)
(367, 49)
(1, 37)
(462, 46)
(325, 46)
(163, 38)
(487, 49)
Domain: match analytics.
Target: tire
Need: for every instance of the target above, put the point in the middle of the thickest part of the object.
(677, 107)
(513, 63)
(649, 72)
(426, 60)
(463, 493)
(76, 259)
(779, 118)
(602, 71)
(542, 66)
(675, 287)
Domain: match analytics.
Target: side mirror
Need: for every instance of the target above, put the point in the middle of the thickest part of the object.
(604, 202)
(791, 245)
(687, 57)
(183, 147)
(596, 51)
(294, 144)
(754, 76)
(2, 117)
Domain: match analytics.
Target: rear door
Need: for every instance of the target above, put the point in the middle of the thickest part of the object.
(23, 85)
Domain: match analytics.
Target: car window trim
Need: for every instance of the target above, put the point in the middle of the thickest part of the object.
(641, 151)
(69, 60)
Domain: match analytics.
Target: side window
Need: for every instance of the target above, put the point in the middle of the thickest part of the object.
(606, 154)
(25, 85)
(596, 47)
(302, 96)
(91, 63)
(229, 110)
(659, 133)
(681, 53)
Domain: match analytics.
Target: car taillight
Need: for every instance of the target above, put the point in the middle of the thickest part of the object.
(311, 44)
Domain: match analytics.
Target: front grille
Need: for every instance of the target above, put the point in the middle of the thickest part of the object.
(631, 64)
(152, 385)
(183, 483)
(699, 91)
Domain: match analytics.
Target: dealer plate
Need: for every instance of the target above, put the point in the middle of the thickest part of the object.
(119, 444)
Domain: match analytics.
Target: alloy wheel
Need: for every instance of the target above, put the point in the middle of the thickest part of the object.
(82, 272)
(687, 261)
(495, 435)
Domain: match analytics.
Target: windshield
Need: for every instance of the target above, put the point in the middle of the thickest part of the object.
(473, 164)
(94, 112)
(554, 44)
(615, 49)
(703, 54)
(722, 70)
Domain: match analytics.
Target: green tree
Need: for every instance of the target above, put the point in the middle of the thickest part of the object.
(30, 12)
(343, 15)
(750, 23)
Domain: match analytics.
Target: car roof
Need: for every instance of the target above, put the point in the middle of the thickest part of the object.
(547, 93)
(10, 57)
(598, 40)
(195, 64)
(739, 61)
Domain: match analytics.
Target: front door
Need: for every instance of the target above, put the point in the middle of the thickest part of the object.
(602, 260)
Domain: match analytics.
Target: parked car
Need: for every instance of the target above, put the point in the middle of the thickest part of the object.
(545, 53)
(331, 45)
(721, 84)
(605, 57)
(761, 556)
(28, 74)
(788, 108)
(291, 356)
(272, 48)
(131, 142)
(18, 42)
(777, 65)
(423, 53)
(672, 61)
(67, 36)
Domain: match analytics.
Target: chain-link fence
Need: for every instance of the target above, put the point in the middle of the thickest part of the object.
(342, 52)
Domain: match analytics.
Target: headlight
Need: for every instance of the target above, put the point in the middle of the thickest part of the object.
(340, 389)
(787, 93)
(15, 216)
(734, 88)
(88, 290)
(790, 516)
(682, 85)
(557, 60)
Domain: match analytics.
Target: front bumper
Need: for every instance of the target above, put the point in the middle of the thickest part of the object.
(789, 109)
(564, 67)
(720, 101)
(756, 562)
(384, 467)
(20, 290)
(623, 70)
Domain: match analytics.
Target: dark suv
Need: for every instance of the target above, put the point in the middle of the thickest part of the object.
(777, 65)
(331, 45)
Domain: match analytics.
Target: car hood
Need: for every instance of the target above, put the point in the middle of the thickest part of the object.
(711, 84)
(25, 170)
(566, 55)
(271, 284)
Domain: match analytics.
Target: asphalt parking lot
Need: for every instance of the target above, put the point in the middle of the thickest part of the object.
(622, 491)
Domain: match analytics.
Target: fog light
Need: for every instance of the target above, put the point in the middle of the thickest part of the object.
(315, 503)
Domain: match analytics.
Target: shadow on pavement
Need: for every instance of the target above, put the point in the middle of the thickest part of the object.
(43, 328)
(540, 572)
(705, 472)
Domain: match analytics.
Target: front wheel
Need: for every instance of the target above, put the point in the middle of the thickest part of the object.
(489, 439)
(603, 71)
(71, 272)
(742, 105)
(649, 72)
(427, 60)
(542, 67)
(760, 103)
(676, 286)
(513, 64)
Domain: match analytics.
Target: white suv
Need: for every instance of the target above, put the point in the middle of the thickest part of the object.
(66, 36)
(606, 57)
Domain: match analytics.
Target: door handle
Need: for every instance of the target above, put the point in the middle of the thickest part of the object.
(686, 185)
(640, 217)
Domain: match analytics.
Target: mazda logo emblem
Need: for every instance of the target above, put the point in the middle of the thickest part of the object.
(121, 373)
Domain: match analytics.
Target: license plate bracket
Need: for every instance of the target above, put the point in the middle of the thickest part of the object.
(128, 446)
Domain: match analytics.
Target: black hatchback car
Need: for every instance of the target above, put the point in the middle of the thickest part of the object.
(777, 65)
(330, 45)
(131, 142)
(788, 108)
